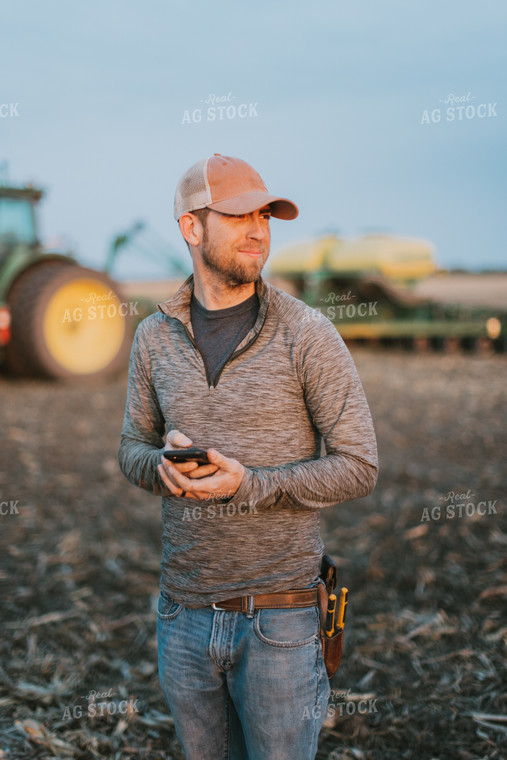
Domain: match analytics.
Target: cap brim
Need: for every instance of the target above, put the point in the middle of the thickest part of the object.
(281, 208)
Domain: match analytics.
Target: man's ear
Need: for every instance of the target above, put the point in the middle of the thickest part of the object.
(191, 229)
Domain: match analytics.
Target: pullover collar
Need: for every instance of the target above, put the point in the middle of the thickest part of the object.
(178, 307)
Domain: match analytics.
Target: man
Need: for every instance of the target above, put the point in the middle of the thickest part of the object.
(235, 366)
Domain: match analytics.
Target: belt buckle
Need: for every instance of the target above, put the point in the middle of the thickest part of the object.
(247, 606)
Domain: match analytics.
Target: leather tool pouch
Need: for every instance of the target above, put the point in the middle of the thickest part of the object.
(332, 646)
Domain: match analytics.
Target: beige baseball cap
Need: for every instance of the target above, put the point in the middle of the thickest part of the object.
(228, 185)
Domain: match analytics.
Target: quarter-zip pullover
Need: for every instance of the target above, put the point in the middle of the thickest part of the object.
(289, 386)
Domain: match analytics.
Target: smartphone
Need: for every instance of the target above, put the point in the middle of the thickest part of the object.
(187, 455)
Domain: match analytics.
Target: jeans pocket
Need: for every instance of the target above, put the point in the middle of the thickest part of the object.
(287, 628)
(167, 608)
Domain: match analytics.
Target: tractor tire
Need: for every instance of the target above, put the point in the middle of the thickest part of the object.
(67, 323)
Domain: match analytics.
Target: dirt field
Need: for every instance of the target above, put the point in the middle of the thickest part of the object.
(423, 674)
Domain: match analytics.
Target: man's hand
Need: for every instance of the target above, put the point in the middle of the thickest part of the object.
(177, 440)
(222, 482)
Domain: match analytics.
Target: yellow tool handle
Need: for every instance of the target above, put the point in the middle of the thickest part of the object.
(342, 607)
(330, 616)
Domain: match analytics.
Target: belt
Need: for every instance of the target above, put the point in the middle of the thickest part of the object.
(279, 600)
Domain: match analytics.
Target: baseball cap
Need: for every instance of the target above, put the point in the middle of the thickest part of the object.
(228, 185)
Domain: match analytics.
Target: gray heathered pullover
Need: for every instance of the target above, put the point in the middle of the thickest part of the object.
(288, 386)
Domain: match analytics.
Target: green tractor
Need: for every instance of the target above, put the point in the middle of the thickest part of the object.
(57, 319)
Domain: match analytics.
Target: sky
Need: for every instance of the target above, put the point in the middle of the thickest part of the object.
(369, 116)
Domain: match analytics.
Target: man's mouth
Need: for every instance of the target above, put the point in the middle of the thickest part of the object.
(248, 252)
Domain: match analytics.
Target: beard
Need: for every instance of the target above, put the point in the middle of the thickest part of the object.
(231, 271)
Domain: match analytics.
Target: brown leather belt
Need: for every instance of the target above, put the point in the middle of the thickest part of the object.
(279, 600)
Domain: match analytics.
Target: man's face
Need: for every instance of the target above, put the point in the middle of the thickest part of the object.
(236, 247)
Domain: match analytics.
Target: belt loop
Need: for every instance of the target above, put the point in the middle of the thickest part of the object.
(251, 607)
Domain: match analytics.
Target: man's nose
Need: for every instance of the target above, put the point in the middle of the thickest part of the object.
(258, 227)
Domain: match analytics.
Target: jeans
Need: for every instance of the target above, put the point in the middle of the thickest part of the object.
(239, 687)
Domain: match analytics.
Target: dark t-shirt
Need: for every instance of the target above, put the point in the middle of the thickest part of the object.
(219, 331)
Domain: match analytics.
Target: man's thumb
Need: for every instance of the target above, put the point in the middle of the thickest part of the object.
(215, 457)
(178, 439)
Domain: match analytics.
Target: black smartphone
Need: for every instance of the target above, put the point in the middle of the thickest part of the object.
(187, 455)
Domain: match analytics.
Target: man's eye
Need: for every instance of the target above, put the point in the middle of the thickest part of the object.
(262, 214)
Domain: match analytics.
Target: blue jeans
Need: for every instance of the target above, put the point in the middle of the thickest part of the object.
(243, 688)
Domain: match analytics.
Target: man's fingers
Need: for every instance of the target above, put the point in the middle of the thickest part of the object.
(177, 440)
(203, 470)
(168, 482)
(193, 470)
(176, 490)
(203, 485)
(185, 466)
(181, 483)
(176, 477)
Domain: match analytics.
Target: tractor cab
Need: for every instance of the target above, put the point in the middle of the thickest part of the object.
(17, 217)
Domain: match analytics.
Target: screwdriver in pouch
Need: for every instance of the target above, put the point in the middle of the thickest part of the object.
(330, 615)
(342, 607)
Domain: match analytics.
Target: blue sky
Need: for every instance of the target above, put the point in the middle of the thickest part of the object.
(336, 96)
